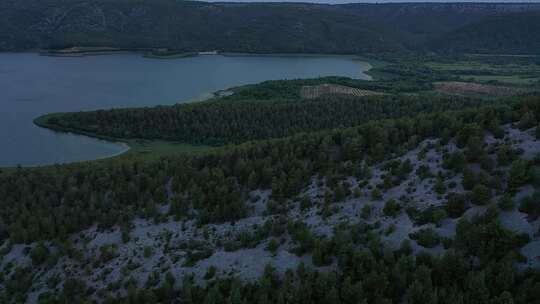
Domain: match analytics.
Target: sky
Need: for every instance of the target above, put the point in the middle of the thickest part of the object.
(380, 1)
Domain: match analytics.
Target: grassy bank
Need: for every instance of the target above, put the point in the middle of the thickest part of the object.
(139, 149)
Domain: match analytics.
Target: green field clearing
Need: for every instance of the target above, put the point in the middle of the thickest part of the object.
(149, 150)
(509, 73)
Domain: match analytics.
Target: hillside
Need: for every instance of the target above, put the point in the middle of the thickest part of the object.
(516, 33)
(440, 206)
(413, 194)
(421, 186)
(263, 28)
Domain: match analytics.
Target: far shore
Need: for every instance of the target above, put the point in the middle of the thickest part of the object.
(140, 146)
(164, 53)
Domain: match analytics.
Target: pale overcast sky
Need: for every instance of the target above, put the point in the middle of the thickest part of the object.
(380, 1)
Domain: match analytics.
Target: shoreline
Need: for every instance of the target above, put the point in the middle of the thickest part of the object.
(153, 53)
(42, 121)
(131, 148)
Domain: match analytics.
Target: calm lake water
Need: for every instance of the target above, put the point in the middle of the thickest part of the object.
(32, 85)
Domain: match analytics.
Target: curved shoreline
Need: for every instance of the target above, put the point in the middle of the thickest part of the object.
(126, 149)
(42, 121)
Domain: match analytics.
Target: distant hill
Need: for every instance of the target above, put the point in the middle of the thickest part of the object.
(424, 22)
(515, 33)
(260, 27)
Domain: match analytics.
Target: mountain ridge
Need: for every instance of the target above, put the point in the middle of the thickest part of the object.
(254, 27)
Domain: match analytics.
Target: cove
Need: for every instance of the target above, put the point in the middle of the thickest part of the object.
(32, 85)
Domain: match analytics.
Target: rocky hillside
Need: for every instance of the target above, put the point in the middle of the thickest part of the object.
(435, 197)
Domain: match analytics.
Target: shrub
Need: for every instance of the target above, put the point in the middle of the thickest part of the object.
(305, 203)
(148, 251)
(439, 187)
(468, 132)
(376, 194)
(518, 174)
(506, 203)
(531, 205)
(428, 237)
(366, 211)
(391, 208)
(480, 195)
(210, 272)
(431, 215)
(423, 172)
(39, 254)
(454, 161)
(272, 246)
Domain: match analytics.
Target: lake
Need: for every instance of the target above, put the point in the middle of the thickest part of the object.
(32, 85)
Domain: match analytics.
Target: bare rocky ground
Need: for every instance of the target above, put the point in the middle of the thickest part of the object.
(104, 259)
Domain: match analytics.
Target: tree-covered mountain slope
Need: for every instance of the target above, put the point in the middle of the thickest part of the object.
(515, 33)
(256, 27)
(441, 206)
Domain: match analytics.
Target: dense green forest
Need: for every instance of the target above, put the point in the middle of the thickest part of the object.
(508, 34)
(158, 229)
(220, 122)
(274, 109)
(424, 187)
(117, 191)
(187, 26)
(368, 273)
(50, 203)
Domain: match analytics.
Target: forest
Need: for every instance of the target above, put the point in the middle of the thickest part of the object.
(192, 26)
(419, 186)
(405, 193)
(115, 192)
(478, 266)
(404, 86)
(221, 122)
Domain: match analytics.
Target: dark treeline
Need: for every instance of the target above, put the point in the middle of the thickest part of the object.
(270, 27)
(52, 202)
(505, 34)
(220, 122)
